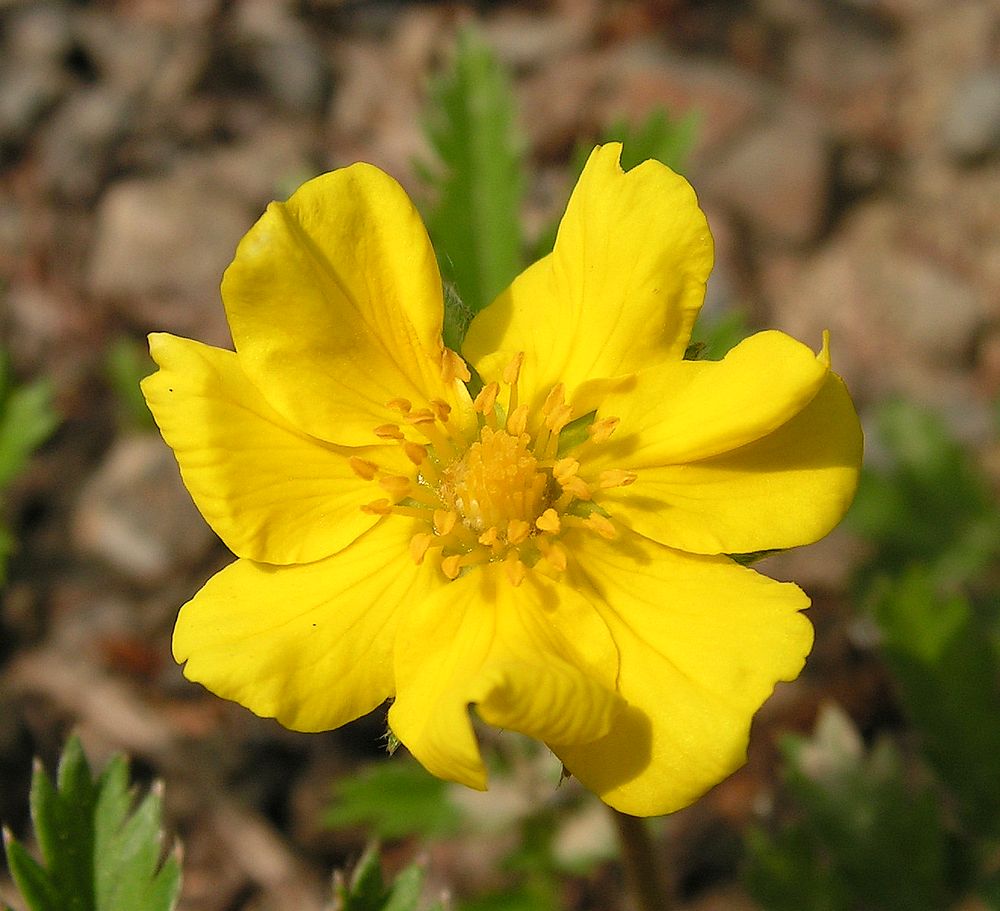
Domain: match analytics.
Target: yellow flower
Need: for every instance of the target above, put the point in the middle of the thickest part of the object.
(551, 551)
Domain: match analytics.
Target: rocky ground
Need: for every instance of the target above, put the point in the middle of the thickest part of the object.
(848, 160)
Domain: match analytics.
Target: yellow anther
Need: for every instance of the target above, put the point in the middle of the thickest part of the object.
(600, 431)
(615, 477)
(517, 421)
(363, 468)
(548, 521)
(453, 367)
(559, 417)
(395, 484)
(441, 408)
(419, 544)
(444, 521)
(401, 405)
(517, 531)
(451, 565)
(512, 371)
(515, 569)
(490, 536)
(576, 486)
(565, 468)
(421, 416)
(602, 525)
(378, 507)
(389, 432)
(555, 398)
(487, 398)
(415, 452)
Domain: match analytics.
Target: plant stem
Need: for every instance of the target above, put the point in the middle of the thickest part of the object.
(643, 874)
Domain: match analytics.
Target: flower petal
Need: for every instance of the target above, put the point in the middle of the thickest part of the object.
(535, 659)
(620, 291)
(335, 304)
(269, 491)
(787, 489)
(702, 643)
(309, 645)
(686, 410)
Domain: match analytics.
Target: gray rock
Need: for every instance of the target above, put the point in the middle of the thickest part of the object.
(136, 515)
(971, 125)
(29, 91)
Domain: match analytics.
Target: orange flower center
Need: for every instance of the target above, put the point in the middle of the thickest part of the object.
(505, 496)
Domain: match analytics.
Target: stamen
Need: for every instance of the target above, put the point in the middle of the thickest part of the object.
(451, 566)
(363, 468)
(485, 402)
(517, 420)
(403, 406)
(395, 484)
(511, 374)
(381, 507)
(389, 432)
(490, 536)
(421, 416)
(576, 486)
(514, 568)
(555, 398)
(565, 468)
(444, 521)
(453, 367)
(517, 531)
(602, 525)
(419, 545)
(416, 453)
(554, 554)
(600, 431)
(442, 409)
(615, 477)
(548, 521)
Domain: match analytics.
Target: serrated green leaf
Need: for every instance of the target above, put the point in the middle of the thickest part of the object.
(394, 799)
(476, 180)
(98, 853)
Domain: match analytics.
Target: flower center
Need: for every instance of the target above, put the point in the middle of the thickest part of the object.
(497, 481)
(505, 496)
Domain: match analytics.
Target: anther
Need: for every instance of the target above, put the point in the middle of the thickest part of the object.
(419, 545)
(600, 431)
(490, 536)
(555, 398)
(378, 507)
(389, 432)
(517, 421)
(487, 398)
(615, 477)
(602, 525)
(514, 568)
(403, 406)
(512, 371)
(452, 367)
(421, 416)
(395, 484)
(517, 531)
(363, 468)
(444, 521)
(415, 452)
(451, 566)
(548, 521)
(576, 486)
(565, 468)
(554, 555)
(559, 417)
(441, 409)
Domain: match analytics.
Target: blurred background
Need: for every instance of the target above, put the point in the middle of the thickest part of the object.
(847, 153)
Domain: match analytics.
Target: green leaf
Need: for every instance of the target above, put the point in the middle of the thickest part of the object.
(367, 890)
(949, 677)
(125, 364)
(860, 823)
(98, 853)
(27, 419)
(394, 799)
(476, 179)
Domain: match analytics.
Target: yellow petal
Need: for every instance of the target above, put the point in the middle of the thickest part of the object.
(309, 645)
(686, 410)
(787, 489)
(270, 492)
(702, 643)
(335, 305)
(536, 659)
(620, 291)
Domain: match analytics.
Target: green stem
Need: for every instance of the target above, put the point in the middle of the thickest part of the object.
(643, 874)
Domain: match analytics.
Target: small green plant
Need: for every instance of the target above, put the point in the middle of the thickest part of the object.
(367, 890)
(100, 850)
(27, 419)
